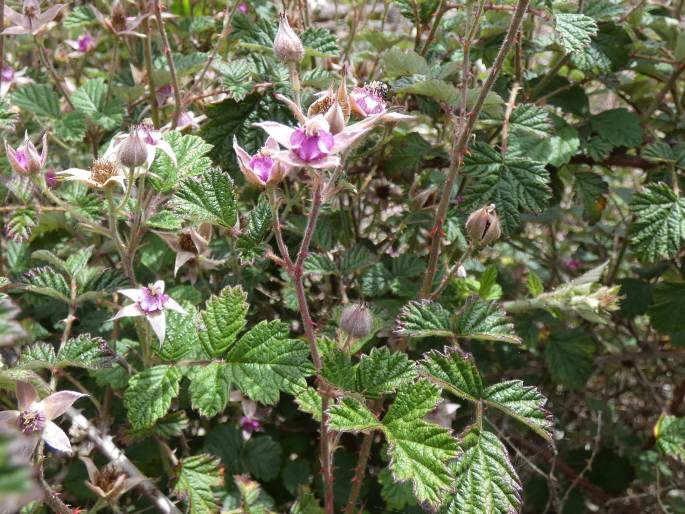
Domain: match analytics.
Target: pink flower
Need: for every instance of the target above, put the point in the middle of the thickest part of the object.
(25, 159)
(370, 101)
(10, 77)
(32, 20)
(243, 7)
(35, 417)
(152, 303)
(83, 44)
(261, 168)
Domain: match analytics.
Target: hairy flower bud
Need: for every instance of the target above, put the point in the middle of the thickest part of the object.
(356, 320)
(287, 44)
(132, 152)
(483, 225)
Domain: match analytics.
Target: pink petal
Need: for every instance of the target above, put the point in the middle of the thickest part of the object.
(55, 437)
(271, 144)
(8, 418)
(241, 154)
(281, 133)
(293, 107)
(181, 259)
(130, 311)
(49, 15)
(173, 305)
(15, 31)
(158, 323)
(13, 16)
(26, 395)
(392, 117)
(57, 403)
(159, 285)
(44, 150)
(133, 294)
(327, 163)
(290, 159)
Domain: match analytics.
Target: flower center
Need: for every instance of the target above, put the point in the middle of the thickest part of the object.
(31, 421)
(311, 143)
(22, 157)
(262, 165)
(250, 424)
(370, 97)
(102, 170)
(85, 43)
(153, 300)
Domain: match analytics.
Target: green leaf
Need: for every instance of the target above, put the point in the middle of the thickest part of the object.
(211, 197)
(570, 356)
(512, 184)
(37, 356)
(658, 229)
(71, 127)
(398, 63)
(319, 264)
(209, 388)
(265, 361)
(181, 338)
(309, 401)
(413, 402)
(439, 90)
(530, 119)
(262, 456)
(659, 152)
(46, 281)
(667, 309)
(39, 99)
(319, 42)
(619, 127)
(357, 259)
(486, 482)
(420, 451)
(85, 351)
(149, 394)
(534, 284)
(338, 369)
(454, 371)
(423, 318)
(197, 477)
(574, 31)
(525, 403)
(258, 226)
(91, 100)
(397, 495)
(223, 318)
(670, 436)
(592, 191)
(165, 220)
(488, 281)
(383, 371)
(351, 415)
(236, 77)
(191, 160)
(21, 223)
(484, 320)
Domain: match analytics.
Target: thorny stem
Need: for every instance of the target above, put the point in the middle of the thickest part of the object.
(51, 497)
(113, 228)
(507, 115)
(51, 71)
(296, 272)
(359, 473)
(147, 51)
(170, 62)
(462, 142)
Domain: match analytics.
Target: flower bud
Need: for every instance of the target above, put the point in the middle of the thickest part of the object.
(461, 271)
(356, 320)
(335, 118)
(132, 152)
(483, 225)
(287, 44)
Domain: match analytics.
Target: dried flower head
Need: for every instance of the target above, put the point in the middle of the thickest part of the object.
(132, 152)
(483, 225)
(103, 173)
(287, 45)
(356, 320)
(25, 159)
(31, 20)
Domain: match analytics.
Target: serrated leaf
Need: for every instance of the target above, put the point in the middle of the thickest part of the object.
(91, 100)
(210, 197)
(486, 321)
(319, 42)
(423, 318)
(262, 457)
(351, 415)
(570, 355)
(236, 77)
(512, 184)
(149, 394)
(397, 495)
(413, 402)
(420, 451)
(398, 63)
(534, 284)
(454, 371)
(619, 127)
(85, 351)
(196, 478)
(357, 259)
(71, 127)
(266, 361)
(46, 281)
(659, 152)
(530, 119)
(667, 308)
(525, 403)
(670, 436)
(37, 356)
(209, 388)
(165, 220)
(181, 337)
(39, 99)
(258, 226)
(338, 369)
(223, 318)
(320, 264)
(439, 90)
(591, 189)
(191, 160)
(486, 482)
(309, 401)
(658, 229)
(574, 31)
(383, 371)
(21, 223)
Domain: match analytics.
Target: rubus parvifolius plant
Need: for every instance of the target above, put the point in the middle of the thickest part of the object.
(342, 257)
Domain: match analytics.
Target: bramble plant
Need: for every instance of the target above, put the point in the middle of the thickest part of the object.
(342, 257)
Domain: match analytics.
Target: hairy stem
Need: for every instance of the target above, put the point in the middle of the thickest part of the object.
(462, 142)
(147, 52)
(170, 62)
(359, 473)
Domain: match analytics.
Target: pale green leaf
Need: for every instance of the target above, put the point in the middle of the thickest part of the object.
(210, 197)
(222, 319)
(574, 31)
(423, 318)
(149, 394)
(191, 160)
(351, 415)
(484, 320)
(197, 478)
(454, 371)
(209, 388)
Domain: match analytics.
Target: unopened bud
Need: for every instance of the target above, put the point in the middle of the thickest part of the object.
(483, 225)
(461, 271)
(356, 320)
(132, 152)
(287, 45)
(335, 118)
